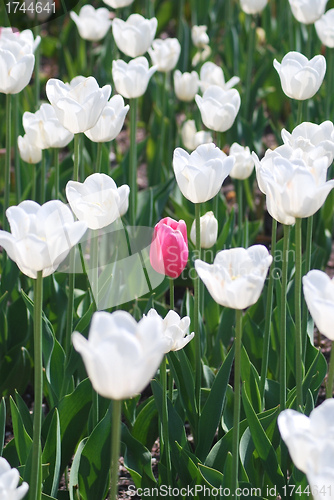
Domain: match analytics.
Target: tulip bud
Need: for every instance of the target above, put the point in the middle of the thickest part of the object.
(131, 79)
(174, 329)
(17, 64)
(300, 78)
(191, 138)
(165, 53)
(209, 230)
(244, 163)
(118, 4)
(199, 36)
(211, 74)
(325, 28)
(169, 247)
(218, 107)
(307, 11)
(25, 36)
(92, 24)
(29, 152)
(110, 122)
(318, 292)
(253, 6)
(185, 85)
(135, 35)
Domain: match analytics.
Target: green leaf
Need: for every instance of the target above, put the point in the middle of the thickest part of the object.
(145, 428)
(212, 476)
(74, 475)
(23, 441)
(2, 424)
(251, 381)
(25, 414)
(15, 371)
(212, 410)
(52, 455)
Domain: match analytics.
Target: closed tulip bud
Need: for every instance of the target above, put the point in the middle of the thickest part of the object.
(25, 36)
(253, 6)
(209, 230)
(9, 480)
(131, 79)
(185, 85)
(244, 163)
(121, 356)
(236, 277)
(40, 9)
(165, 53)
(174, 330)
(169, 247)
(218, 107)
(199, 36)
(79, 105)
(135, 35)
(191, 138)
(17, 64)
(201, 174)
(97, 201)
(304, 435)
(211, 74)
(28, 151)
(118, 4)
(319, 296)
(307, 11)
(92, 24)
(325, 28)
(41, 236)
(300, 78)
(110, 122)
(44, 130)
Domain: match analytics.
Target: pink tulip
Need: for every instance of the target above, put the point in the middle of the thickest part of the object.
(169, 247)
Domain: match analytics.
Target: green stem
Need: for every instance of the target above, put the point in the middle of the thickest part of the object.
(8, 151)
(37, 31)
(283, 318)
(76, 157)
(133, 160)
(308, 252)
(165, 434)
(56, 164)
(240, 211)
(16, 153)
(115, 447)
(171, 294)
(35, 484)
(43, 176)
(236, 409)
(329, 93)
(34, 180)
(196, 312)
(309, 41)
(94, 266)
(330, 379)
(250, 62)
(298, 319)
(269, 307)
(99, 157)
(300, 112)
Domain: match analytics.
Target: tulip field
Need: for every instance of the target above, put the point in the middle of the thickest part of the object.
(166, 249)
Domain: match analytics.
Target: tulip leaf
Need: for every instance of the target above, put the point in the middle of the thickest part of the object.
(74, 475)
(9, 277)
(26, 416)
(2, 424)
(212, 410)
(188, 471)
(52, 455)
(17, 324)
(262, 443)
(22, 439)
(251, 381)
(15, 370)
(212, 476)
(145, 428)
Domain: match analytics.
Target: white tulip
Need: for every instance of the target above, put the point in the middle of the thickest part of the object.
(41, 236)
(9, 480)
(165, 53)
(218, 107)
(191, 138)
(135, 35)
(121, 356)
(44, 130)
(118, 4)
(320, 470)
(208, 230)
(97, 201)
(325, 28)
(131, 79)
(25, 36)
(244, 163)
(185, 85)
(199, 36)
(307, 11)
(300, 78)
(77, 107)
(174, 330)
(201, 174)
(211, 74)
(28, 151)
(110, 122)
(16, 65)
(253, 6)
(304, 435)
(236, 277)
(314, 140)
(92, 24)
(319, 296)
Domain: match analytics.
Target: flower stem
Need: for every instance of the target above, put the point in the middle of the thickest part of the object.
(37, 32)
(171, 294)
(250, 61)
(329, 93)
(269, 307)
(56, 164)
(35, 489)
(300, 112)
(43, 176)
(298, 319)
(99, 157)
(308, 251)
(196, 312)
(157, 171)
(115, 447)
(330, 379)
(236, 409)
(76, 157)
(33, 185)
(283, 318)
(240, 211)
(16, 153)
(165, 434)
(133, 160)
(8, 151)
